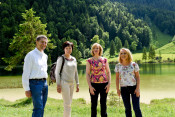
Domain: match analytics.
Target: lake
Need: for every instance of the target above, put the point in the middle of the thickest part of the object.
(157, 82)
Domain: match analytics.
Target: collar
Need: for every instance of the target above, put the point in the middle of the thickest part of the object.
(40, 53)
(71, 58)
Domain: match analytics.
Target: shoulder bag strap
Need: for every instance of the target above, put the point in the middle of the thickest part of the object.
(62, 66)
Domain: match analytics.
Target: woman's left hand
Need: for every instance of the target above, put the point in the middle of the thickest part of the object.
(137, 92)
(107, 88)
(77, 90)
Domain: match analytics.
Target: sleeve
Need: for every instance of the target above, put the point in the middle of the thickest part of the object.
(27, 68)
(76, 74)
(57, 70)
(105, 60)
(136, 67)
(89, 60)
(116, 68)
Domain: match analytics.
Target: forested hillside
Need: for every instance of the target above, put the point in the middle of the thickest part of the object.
(78, 20)
(159, 12)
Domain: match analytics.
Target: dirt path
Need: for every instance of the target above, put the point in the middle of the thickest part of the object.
(18, 93)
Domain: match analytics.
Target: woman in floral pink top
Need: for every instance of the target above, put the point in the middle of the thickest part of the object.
(127, 76)
(98, 76)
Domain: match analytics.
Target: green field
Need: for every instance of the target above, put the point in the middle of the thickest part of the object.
(138, 56)
(54, 108)
(160, 39)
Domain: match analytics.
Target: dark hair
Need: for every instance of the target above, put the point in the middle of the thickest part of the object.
(67, 43)
(39, 37)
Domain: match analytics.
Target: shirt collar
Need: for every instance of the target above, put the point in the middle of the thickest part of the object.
(71, 58)
(39, 52)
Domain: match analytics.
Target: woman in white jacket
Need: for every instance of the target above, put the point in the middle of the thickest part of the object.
(65, 82)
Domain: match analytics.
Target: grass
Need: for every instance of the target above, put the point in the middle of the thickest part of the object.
(10, 82)
(168, 48)
(54, 108)
(138, 56)
(161, 38)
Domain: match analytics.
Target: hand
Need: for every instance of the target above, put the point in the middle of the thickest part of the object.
(137, 92)
(59, 88)
(118, 93)
(107, 88)
(92, 90)
(77, 90)
(28, 93)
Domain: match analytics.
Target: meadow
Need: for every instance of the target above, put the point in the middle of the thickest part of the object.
(54, 108)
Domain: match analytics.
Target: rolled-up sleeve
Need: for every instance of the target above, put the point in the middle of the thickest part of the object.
(26, 72)
(57, 70)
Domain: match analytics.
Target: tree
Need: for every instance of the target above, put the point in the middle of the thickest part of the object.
(106, 38)
(152, 53)
(112, 48)
(76, 53)
(126, 45)
(160, 56)
(118, 44)
(95, 39)
(102, 43)
(133, 46)
(144, 56)
(82, 49)
(87, 53)
(24, 40)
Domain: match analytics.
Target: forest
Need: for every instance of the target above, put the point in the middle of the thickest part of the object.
(159, 12)
(83, 22)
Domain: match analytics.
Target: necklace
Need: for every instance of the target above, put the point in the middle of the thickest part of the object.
(96, 59)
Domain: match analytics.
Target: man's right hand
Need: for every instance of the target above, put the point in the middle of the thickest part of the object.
(28, 93)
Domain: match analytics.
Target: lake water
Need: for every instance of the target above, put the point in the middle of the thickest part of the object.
(157, 82)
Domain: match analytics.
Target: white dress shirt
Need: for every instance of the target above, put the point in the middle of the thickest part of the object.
(35, 67)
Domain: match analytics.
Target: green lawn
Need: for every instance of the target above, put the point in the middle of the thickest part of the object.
(54, 108)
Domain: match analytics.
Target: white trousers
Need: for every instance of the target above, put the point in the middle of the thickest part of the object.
(67, 94)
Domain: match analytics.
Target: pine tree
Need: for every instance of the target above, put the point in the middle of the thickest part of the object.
(102, 43)
(126, 45)
(152, 53)
(160, 56)
(24, 40)
(144, 56)
(133, 46)
(118, 44)
(112, 48)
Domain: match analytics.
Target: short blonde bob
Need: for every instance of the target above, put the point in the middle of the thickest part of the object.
(128, 52)
(96, 45)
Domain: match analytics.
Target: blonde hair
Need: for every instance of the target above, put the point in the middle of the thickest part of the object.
(96, 45)
(128, 52)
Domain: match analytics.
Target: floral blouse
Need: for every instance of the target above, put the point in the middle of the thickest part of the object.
(126, 74)
(97, 69)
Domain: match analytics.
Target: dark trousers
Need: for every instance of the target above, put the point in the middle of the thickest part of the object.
(125, 93)
(100, 89)
(39, 90)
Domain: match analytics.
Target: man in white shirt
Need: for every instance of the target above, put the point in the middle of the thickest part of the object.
(35, 74)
